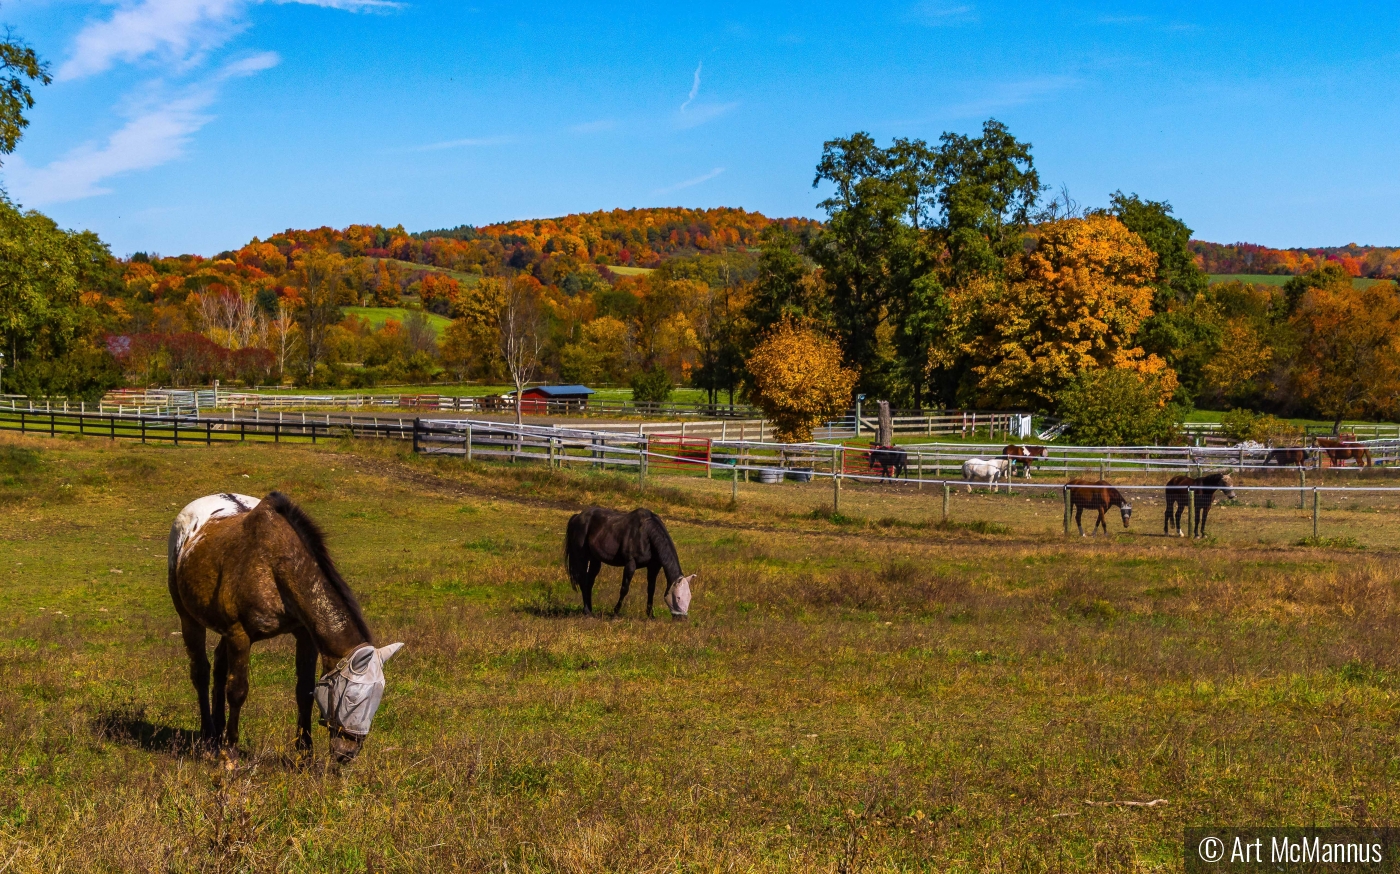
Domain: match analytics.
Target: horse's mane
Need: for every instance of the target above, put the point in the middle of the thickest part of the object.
(661, 542)
(314, 540)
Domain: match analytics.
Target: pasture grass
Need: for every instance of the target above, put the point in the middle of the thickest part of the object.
(857, 691)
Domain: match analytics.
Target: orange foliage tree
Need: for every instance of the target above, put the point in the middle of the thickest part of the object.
(796, 378)
(1348, 358)
(1074, 302)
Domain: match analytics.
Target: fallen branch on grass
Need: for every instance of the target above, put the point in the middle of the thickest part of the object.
(1152, 803)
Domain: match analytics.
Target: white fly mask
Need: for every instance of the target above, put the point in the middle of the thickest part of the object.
(349, 694)
(678, 597)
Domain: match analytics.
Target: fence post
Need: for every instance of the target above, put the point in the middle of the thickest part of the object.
(209, 433)
(1067, 510)
(113, 423)
(175, 428)
(52, 429)
(1314, 514)
(709, 458)
(1191, 498)
(945, 501)
(641, 462)
(143, 428)
(469, 441)
(1302, 485)
(551, 452)
(277, 429)
(734, 488)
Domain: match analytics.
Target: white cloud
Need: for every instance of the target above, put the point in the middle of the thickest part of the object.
(701, 113)
(689, 183)
(158, 132)
(694, 87)
(692, 114)
(177, 32)
(1008, 94)
(935, 13)
(593, 127)
(462, 144)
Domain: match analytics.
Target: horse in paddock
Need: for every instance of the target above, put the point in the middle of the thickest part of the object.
(890, 460)
(638, 539)
(1097, 495)
(1023, 456)
(985, 470)
(1287, 457)
(1344, 450)
(1179, 490)
(250, 570)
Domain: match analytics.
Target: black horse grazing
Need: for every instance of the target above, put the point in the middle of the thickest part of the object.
(891, 461)
(638, 539)
(1179, 490)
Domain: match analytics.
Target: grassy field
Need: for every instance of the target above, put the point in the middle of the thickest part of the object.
(377, 316)
(1275, 279)
(862, 692)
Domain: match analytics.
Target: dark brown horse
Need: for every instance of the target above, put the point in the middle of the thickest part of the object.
(1293, 457)
(1097, 495)
(891, 461)
(1179, 489)
(250, 570)
(1023, 456)
(639, 539)
(1345, 450)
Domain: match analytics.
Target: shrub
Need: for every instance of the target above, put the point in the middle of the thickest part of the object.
(651, 386)
(1241, 425)
(83, 373)
(1116, 406)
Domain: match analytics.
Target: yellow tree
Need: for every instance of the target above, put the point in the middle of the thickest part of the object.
(796, 378)
(1348, 359)
(1073, 302)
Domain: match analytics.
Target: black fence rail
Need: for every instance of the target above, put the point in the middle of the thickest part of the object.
(192, 429)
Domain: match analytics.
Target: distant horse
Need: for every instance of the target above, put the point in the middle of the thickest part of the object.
(1345, 450)
(250, 570)
(985, 470)
(1097, 495)
(638, 539)
(1179, 490)
(891, 461)
(1023, 456)
(1287, 457)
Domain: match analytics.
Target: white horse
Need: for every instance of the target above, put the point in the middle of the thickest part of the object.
(985, 470)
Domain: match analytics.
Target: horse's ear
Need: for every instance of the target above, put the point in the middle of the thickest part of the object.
(387, 652)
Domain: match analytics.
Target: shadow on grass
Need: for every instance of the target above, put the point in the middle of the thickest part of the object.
(132, 727)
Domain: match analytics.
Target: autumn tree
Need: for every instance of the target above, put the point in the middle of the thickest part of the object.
(317, 277)
(797, 378)
(1348, 359)
(1072, 303)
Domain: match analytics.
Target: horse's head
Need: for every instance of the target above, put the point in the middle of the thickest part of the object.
(1127, 510)
(348, 696)
(1228, 485)
(678, 597)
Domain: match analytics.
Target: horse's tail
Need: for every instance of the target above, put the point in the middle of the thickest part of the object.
(314, 540)
(575, 559)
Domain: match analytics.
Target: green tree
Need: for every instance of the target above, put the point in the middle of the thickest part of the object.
(786, 286)
(1116, 406)
(651, 386)
(19, 66)
(1178, 278)
(1330, 276)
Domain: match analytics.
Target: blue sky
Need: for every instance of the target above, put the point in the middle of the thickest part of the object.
(193, 125)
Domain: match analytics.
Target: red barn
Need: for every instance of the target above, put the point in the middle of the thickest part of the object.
(538, 400)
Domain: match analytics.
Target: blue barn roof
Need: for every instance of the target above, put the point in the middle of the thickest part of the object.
(560, 391)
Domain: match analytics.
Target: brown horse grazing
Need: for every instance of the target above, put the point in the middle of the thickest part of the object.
(250, 570)
(1345, 450)
(1097, 495)
(1179, 490)
(598, 536)
(1288, 457)
(1023, 456)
